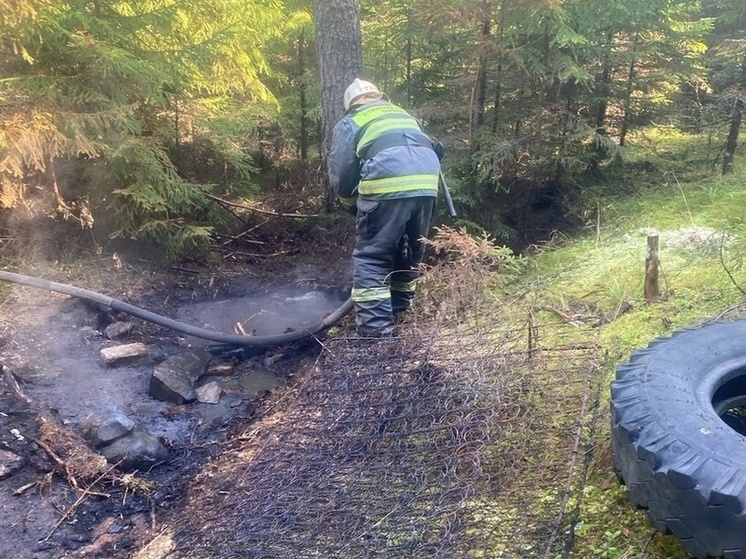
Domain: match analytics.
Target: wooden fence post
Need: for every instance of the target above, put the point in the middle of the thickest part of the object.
(651, 269)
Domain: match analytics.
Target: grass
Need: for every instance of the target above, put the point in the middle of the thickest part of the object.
(701, 221)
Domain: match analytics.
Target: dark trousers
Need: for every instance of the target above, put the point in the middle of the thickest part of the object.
(387, 254)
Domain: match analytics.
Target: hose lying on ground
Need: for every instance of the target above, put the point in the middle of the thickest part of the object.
(220, 337)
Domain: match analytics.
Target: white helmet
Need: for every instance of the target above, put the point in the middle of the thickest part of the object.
(357, 89)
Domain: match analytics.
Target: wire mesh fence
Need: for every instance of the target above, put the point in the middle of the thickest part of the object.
(455, 442)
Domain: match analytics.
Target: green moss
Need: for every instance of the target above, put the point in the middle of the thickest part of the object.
(701, 222)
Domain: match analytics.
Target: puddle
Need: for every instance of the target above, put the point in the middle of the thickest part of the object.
(260, 315)
(258, 381)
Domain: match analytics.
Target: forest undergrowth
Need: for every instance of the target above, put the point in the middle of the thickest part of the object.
(540, 336)
(592, 283)
(556, 322)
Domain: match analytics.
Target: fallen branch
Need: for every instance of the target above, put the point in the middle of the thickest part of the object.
(563, 315)
(65, 467)
(255, 255)
(622, 308)
(15, 389)
(84, 495)
(21, 490)
(247, 231)
(257, 210)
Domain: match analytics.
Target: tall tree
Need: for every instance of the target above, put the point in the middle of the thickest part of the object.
(295, 78)
(124, 81)
(339, 47)
(393, 43)
(727, 55)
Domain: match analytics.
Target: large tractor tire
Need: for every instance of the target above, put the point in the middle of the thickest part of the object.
(678, 439)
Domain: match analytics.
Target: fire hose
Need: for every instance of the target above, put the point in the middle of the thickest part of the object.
(263, 342)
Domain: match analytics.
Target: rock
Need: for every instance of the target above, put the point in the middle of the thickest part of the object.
(174, 379)
(209, 393)
(106, 425)
(120, 441)
(10, 463)
(119, 329)
(137, 450)
(123, 354)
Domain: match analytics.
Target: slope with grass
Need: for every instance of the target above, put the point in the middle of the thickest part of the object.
(700, 218)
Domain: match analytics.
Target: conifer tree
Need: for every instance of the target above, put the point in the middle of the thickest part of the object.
(124, 82)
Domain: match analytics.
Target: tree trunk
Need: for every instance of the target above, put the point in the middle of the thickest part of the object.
(479, 93)
(340, 62)
(409, 72)
(731, 143)
(499, 74)
(498, 98)
(604, 88)
(303, 140)
(541, 86)
(628, 94)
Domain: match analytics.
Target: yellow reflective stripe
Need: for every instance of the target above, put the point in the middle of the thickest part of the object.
(391, 118)
(366, 115)
(404, 286)
(362, 294)
(347, 201)
(388, 124)
(406, 183)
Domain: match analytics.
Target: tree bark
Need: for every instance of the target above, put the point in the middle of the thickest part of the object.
(731, 143)
(409, 70)
(499, 73)
(479, 93)
(604, 88)
(340, 57)
(628, 94)
(303, 140)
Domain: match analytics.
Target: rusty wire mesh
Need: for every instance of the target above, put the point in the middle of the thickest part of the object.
(455, 442)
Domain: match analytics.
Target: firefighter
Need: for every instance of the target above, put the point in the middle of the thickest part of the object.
(385, 170)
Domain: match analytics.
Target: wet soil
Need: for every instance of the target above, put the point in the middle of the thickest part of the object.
(51, 342)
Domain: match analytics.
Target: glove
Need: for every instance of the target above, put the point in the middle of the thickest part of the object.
(439, 150)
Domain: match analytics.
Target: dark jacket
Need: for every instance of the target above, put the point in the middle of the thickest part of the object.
(379, 151)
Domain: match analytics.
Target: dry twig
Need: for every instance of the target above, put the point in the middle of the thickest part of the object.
(84, 495)
(257, 210)
(15, 389)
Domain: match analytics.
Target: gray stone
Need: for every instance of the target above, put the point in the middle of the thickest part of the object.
(119, 329)
(123, 354)
(209, 393)
(174, 380)
(137, 450)
(10, 463)
(106, 425)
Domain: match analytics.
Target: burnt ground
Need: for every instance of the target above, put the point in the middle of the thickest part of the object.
(422, 448)
(56, 505)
